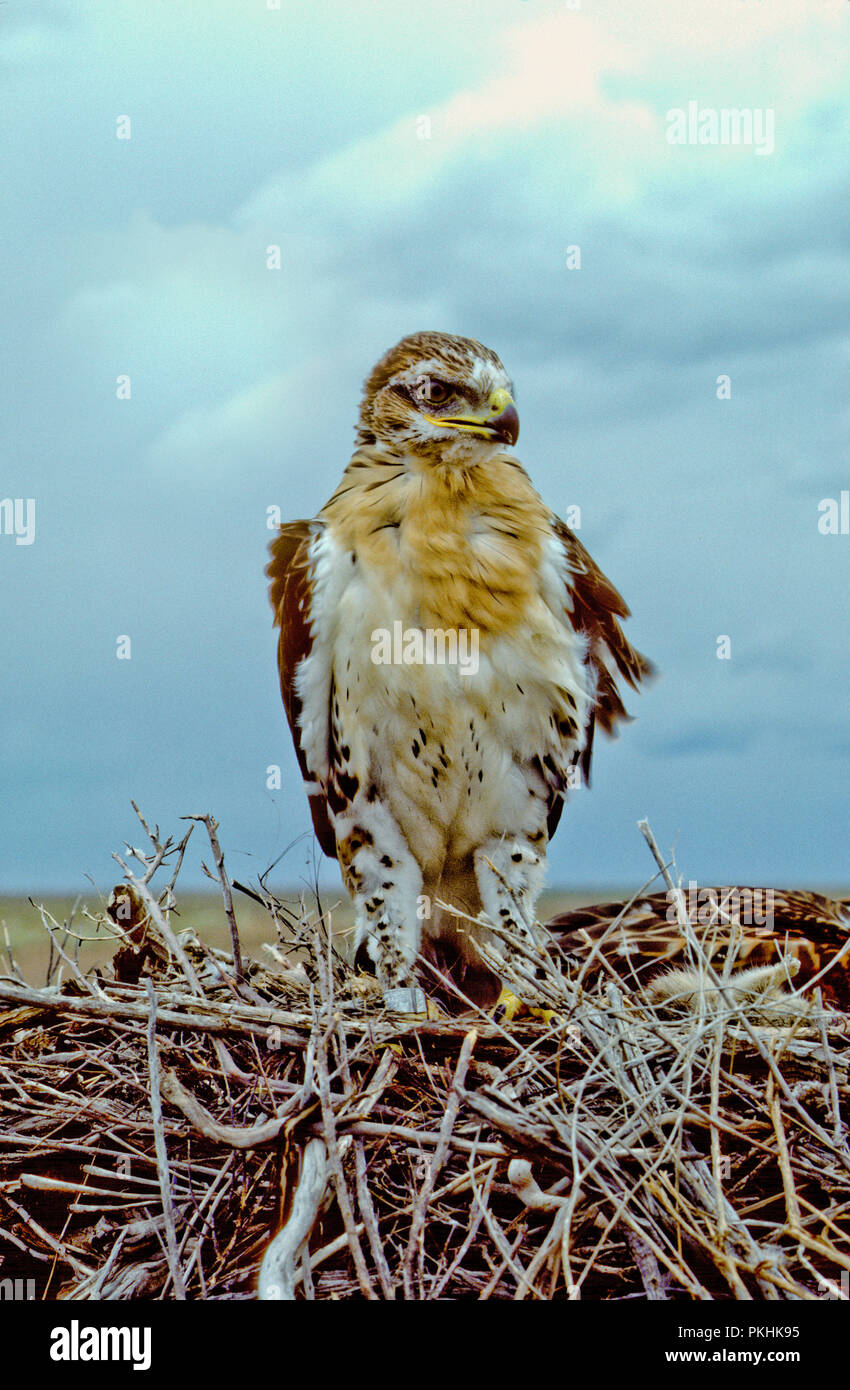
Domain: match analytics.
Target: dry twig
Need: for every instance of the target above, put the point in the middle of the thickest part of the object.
(151, 1131)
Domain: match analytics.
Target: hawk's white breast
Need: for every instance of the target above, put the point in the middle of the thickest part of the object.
(449, 752)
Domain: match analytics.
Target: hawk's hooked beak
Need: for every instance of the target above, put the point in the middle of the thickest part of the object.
(498, 422)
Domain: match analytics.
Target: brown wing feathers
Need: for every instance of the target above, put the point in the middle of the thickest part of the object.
(596, 607)
(288, 571)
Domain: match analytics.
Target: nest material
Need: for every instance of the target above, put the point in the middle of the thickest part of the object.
(162, 1121)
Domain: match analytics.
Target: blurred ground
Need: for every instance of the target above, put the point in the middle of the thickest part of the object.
(203, 911)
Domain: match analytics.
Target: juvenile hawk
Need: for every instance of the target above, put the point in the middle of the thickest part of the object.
(447, 649)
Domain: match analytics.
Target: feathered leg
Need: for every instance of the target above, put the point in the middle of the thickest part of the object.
(385, 882)
(510, 874)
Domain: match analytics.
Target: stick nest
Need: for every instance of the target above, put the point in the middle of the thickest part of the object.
(180, 1125)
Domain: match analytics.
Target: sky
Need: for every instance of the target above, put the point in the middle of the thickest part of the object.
(555, 179)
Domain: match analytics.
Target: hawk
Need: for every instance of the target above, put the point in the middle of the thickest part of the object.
(447, 650)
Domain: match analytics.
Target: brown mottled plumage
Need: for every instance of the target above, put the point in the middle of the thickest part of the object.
(761, 925)
(430, 780)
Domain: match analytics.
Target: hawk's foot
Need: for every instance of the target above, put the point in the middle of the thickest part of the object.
(508, 1007)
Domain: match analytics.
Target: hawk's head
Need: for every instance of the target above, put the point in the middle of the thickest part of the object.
(441, 396)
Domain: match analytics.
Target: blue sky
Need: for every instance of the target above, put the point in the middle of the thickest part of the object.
(420, 168)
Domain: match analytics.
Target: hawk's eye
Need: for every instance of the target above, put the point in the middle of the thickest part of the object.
(427, 388)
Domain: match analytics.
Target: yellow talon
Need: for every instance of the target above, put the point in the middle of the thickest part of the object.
(548, 1016)
(508, 1007)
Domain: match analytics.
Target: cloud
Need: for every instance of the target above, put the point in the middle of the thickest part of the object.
(205, 441)
(308, 130)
